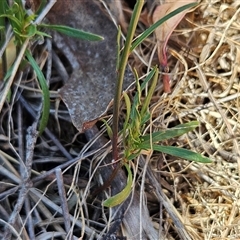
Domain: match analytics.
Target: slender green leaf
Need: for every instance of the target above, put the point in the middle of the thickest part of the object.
(151, 29)
(150, 93)
(179, 152)
(3, 8)
(43, 4)
(45, 92)
(170, 133)
(145, 118)
(128, 107)
(72, 32)
(14, 21)
(120, 197)
(137, 97)
(30, 31)
(134, 155)
(136, 100)
(109, 130)
(2, 11)
(30, 18)
(8, 73)
(13, 9)
(148, 78)
(43, 34)
(121, 73)
(118, 47)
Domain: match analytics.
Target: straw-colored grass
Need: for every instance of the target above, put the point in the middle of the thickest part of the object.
(205, 75)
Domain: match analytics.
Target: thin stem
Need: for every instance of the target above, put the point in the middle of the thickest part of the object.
(62, 195)
(121, 72)
(3, 36)
(13, 73)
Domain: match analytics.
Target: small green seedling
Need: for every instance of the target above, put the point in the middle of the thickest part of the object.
(24, 30)
(134, 142)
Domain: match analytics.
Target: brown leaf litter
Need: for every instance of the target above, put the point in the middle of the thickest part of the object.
(90, 90)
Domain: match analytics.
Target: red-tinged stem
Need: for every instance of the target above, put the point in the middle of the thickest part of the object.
(164, 66)
(166, 84)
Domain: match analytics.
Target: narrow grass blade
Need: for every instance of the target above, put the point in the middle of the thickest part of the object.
(181, 152)
(3, 64)
(45, 92)
(120, 197)
(136, 100)
(137, 97)
(31, 30)
(170, 133)
(150, 93)
(128, 108)
(43, 4)
(148, 78)
(2, 11)
(151, 29)
(118, 47)
(72, 32)
(121, 71)
(109, 130)
(14, 21)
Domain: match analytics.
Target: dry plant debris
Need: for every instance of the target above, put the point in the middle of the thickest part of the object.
(47, 181)
(94, 65)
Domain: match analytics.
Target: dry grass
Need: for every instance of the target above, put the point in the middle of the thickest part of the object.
(206, 79)
(204, 56)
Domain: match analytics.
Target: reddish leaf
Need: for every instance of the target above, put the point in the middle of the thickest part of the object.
(165, 30)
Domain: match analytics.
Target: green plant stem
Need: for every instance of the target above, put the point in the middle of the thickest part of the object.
(45, 92)
(14, 71)
(3, 36)
(121, 71)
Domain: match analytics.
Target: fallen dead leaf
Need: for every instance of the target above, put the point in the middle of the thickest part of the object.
(164, 32)
(91, 87)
